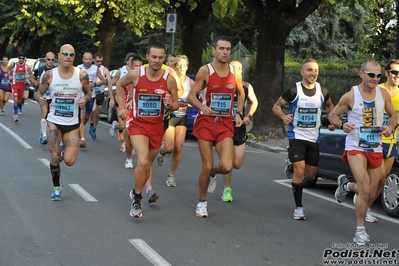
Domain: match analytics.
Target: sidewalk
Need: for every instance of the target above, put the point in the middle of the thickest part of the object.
(272, 145)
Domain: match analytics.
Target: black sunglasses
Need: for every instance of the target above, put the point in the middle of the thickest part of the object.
(372, 75)
(50, 59)
(394, 72)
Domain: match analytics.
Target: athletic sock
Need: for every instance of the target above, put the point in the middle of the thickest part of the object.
(43, 126)
(297, 191)
(15, 108)
(55, 173)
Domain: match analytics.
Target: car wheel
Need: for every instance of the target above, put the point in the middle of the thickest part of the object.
(390, 193)
(307, 183)
(111, 114)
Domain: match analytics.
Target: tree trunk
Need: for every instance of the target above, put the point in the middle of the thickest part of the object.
(193, 27)
(4, 45)
(48, 44)
(105, 35)
(274, 20)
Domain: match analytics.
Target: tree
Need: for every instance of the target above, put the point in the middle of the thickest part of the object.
(274, 20)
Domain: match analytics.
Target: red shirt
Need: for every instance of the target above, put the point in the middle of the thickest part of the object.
(219, 92)
(148, 97)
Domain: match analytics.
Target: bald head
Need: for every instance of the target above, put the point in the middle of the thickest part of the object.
(67, 47)
(50, 57)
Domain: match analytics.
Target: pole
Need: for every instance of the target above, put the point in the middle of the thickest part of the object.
(172, 38)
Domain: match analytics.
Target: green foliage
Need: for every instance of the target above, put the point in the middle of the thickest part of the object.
(330, 32)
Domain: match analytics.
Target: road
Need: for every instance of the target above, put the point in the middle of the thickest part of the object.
(92, 226)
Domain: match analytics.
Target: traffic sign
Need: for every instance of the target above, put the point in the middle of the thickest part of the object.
(171, 23)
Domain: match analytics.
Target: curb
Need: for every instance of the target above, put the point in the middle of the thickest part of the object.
(265, 147)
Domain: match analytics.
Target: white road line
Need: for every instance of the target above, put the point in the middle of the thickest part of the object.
(15, 136)
(148, 252)
(287, 183)
(82, 192)
(45, 162)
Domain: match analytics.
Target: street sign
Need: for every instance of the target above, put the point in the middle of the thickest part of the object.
(171, 23)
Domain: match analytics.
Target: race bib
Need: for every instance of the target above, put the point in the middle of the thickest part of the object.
(182, 109)
(221, 104)
(235, 110)
(369, 137)
(19, 77)
(307, 117)
(149, 105)
(97, 89)
(64, 107)
(5, 81)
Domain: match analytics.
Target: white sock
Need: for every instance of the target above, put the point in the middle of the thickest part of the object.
(43, 126)
(83, 139)
(129, 160)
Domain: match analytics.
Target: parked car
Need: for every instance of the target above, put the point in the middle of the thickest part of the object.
(332, 145)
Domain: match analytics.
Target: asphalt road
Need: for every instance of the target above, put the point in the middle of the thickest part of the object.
(92, 226)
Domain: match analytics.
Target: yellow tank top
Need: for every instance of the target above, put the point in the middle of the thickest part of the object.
(395, 103)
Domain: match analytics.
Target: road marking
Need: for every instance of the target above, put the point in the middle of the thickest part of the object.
(148, 252)
(287, 183)
(15, 136)
(45, 162)
(82, 192)
(78, 189)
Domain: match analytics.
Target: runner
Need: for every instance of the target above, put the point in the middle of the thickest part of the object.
(5, 85)
(66, 84)
(154, 90)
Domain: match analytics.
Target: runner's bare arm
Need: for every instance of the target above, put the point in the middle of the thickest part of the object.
(84, 80)
(173, 91)
(201, 80)
(44, 85)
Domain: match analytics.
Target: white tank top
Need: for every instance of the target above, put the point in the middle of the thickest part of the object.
(186, 88)
(368, 118)
(99, 89)
(123, 71)
(306, 111)
(92, 73)
(65, 95)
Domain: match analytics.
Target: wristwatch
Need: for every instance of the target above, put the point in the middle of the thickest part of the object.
(341, 125)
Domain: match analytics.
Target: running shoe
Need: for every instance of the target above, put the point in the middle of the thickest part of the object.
(136, 211)
(2, 113)
(16, 118)
(160, 158)
(121, 137)
(227, 195)
(340, 192)
(361, 238)
(171, 181)
(112, 129)
(42, 138)
(129, 164)
(20, 111)
(123, 147)
(369, 217)
(83, 143)
(56, 195)
(92, 133)
(212, 184)
(299, 213)
(62, 153)
(201, 210)
(289, 170)
(152, 196)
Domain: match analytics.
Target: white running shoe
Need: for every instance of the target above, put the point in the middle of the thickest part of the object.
(171, 181)
(212, 184)
(129, 164)
(340, 192)
(201, 210)
(361, 238)
(369, 217)
(299, 213)
(112, 129)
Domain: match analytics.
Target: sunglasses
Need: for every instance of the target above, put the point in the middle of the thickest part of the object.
(394, 72)
(65, 53)
(21, 57)
(50, 59)
(372, 75)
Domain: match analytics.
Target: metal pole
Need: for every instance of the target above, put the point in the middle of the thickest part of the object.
(172, 37)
